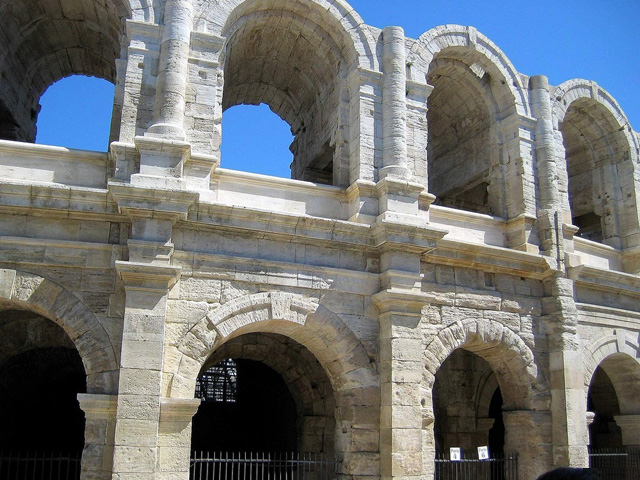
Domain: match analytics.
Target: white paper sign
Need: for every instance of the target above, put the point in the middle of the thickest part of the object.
(454, 454)
(483, 453)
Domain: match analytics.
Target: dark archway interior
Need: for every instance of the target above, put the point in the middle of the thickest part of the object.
(593, 142)
(257, 414)
(459, 150)
(496, 432)
(39, 409)
(603, 401)
(462, 418)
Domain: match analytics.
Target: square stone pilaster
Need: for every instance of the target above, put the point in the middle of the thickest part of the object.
(401, 365)
(568, 401)
(140, 387)
(529, 434)
(99, 432)
(174, 436)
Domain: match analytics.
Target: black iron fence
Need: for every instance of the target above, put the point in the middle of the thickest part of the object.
(39, 466)
(261, 466)
(615, 463)
(498, 467)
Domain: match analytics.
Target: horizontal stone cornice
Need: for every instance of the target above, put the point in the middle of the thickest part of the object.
(606, 280)
(491, 259)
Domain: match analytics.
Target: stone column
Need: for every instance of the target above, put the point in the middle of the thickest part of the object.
(528, 433)
(630, 426)
(174, 436)
(401, 453)
(140, 388)
(168, 115)
(568, 401)
(548, 193)
(394, 104)
(99, 431)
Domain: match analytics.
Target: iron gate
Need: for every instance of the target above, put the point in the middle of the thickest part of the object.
(39, 466)
(261, 466)
(615, 463)
(496, 468)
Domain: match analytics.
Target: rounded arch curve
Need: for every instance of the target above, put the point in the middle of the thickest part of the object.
(601, 155)
(619, 356)
(343, 21)
(40, 295)
(522, 384)
(47, 41)
(322, 332)
(471, 46)
(568, 92)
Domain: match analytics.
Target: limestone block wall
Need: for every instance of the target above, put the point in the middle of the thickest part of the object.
(506, 315)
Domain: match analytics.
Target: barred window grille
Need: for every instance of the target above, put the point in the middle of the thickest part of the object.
(219, 383)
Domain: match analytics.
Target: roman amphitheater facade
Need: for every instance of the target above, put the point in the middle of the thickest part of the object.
(454, 263)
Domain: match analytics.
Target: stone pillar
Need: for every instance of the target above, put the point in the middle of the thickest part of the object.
(174, 436)
(394, 105)
(528, 433)
(400, 379)
(140, 388)
(548, 192)
(99, 431)
(630, 426)
(168, 115)
(568, 401)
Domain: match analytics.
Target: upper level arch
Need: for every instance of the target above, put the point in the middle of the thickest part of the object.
(337, 17)
(293, 56)
(45, 41)
(471, 47)
(472, 112)
(601, 153)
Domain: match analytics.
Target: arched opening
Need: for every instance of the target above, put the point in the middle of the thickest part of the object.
(41, 374)
(253, 134)
(42, 42)
(467, 405)
(76, 113)
(463, 148)
(594, 147)
(264, 393)
(603, 402)
(246, 407)
(292, 57)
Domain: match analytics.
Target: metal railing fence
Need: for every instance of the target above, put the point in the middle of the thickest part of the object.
(39, 466)
(261, 466)
(615, 463)
(499, 467)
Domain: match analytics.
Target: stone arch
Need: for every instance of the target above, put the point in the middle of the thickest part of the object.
(32, 292)
(619, 356)
(601, 153)
(474, 108)
(322, 332)
(522, 384)
(213, 17)
(469, 45)
(350, 370)
(295, 57)
(47, 41)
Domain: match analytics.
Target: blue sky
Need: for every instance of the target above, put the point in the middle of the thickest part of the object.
(563, 39)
